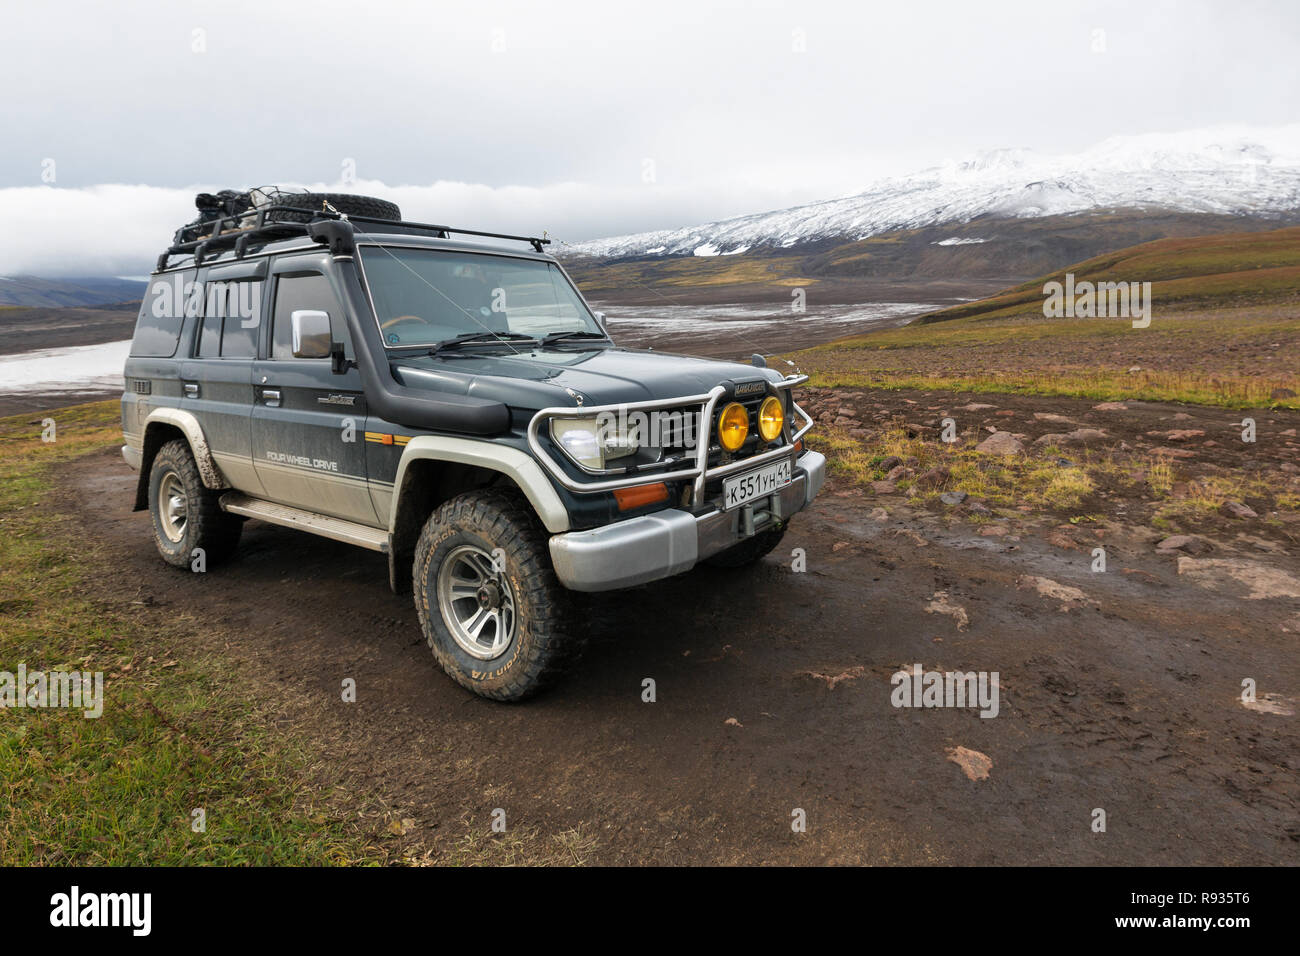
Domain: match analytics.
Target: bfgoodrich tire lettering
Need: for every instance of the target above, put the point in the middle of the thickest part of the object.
(540, 645)
(185, 514)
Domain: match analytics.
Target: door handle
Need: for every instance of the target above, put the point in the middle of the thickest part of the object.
(271, 396)
(191, 390)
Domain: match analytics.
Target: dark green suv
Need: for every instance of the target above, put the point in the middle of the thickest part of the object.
(324, 365)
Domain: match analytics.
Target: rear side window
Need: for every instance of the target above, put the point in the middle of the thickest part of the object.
(231, 318)
(304, 290)
(167, 301)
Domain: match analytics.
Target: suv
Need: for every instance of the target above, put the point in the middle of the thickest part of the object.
(322, 364)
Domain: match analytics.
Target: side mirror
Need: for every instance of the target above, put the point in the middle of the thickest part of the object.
(311, 333)
(602, 322)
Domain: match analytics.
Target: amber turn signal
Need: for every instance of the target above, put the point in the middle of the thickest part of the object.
(639, 495)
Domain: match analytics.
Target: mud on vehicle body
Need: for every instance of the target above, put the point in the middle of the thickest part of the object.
(454, 405)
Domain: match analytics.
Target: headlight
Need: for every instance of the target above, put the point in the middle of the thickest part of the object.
(593, 442)
(733, 426)
(771, 416)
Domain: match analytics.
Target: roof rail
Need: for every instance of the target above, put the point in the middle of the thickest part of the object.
(230, 232)
(440, 232)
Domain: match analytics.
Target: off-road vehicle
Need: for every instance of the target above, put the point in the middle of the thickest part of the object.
(316, 362)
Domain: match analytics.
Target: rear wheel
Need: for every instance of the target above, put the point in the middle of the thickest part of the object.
(492, 610)
(187, 516)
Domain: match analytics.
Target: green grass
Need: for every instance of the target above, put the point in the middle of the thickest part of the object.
(179, 731)
(1220, 271)
(1225, 327)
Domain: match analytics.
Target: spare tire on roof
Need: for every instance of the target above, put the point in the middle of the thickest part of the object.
(347, 203)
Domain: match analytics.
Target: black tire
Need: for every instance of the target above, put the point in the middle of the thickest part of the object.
(749, 551)
(539, 644)
(204, 524)
(343, 202)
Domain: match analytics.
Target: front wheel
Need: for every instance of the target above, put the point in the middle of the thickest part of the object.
(492, 610)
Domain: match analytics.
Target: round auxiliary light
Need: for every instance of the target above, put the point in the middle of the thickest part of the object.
(771, 416)
(733, 426)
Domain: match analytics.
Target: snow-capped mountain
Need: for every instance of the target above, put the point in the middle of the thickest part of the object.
(1225, 171)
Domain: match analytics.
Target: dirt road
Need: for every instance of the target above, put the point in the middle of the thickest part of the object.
(774, 695)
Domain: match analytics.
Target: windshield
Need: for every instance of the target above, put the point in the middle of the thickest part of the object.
(426, 296)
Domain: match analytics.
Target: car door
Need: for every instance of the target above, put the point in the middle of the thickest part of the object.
(216, 377)
(308, 422)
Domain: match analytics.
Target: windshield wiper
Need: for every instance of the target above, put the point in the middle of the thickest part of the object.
(469, 337)
(573, 334)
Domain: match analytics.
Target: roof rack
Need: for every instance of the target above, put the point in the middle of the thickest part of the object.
(231, 232)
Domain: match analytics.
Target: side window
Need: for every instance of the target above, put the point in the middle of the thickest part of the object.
(231, 317)
(158, 327)
(304, 290)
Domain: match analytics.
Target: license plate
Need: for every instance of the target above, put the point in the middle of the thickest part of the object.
(755, 484)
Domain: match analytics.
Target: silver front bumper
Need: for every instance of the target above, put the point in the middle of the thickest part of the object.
(651, 547)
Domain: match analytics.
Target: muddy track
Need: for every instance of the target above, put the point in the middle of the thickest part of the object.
(773, 693)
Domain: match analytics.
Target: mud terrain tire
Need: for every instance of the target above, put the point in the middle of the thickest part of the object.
(344, 202)
(185, 514)
(521, 610)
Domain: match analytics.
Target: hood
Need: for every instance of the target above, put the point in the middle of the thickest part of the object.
(567, 377)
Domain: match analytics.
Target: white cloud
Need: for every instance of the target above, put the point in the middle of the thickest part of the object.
(121, 229)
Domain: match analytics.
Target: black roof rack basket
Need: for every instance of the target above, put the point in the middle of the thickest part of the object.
(238, 233)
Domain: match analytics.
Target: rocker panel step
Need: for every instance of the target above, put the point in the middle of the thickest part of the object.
(338, 529)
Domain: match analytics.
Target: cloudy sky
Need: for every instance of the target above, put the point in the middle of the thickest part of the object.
(585, 119)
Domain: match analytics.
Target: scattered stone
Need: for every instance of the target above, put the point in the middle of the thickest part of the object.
(1235, 509)
(1110, 407)
(890, 462)
(1001, 443)
(912, 536)
(1260, 580)
(1051, 438)
(934, 477)
(899, 471)
(879, 514)
(1187, 543)
(1173, 453)
(884, 487)
(974, 764)
(953, 497)
(1271, 704)
(1049, 417)
(1005, 413)
(733, 722)
(940, 604)
(1179, 434)
(1067, 595)
(1085, 435)
(994, 530)
(976, 407)
(853, 673)
(1279, 393)
(980, 508)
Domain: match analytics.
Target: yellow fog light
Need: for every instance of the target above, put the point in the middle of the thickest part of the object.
(733, 426)
(771, 416)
